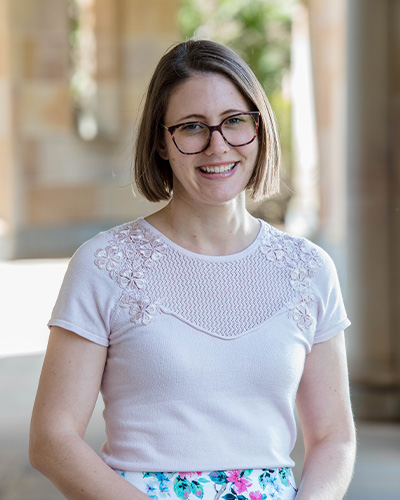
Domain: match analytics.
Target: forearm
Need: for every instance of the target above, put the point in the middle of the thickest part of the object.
(78, 472)
(328, 469)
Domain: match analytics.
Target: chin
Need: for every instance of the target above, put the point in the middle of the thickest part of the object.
(222, 200)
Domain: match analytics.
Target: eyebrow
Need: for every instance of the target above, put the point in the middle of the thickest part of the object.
(203, 117)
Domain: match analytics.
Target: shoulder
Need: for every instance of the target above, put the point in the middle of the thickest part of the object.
(316, 300)
(125, 254)
(132, 244)
(295, 252)
(115, 238)
(104, 248)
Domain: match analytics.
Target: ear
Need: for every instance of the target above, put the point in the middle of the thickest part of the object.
(163, 151)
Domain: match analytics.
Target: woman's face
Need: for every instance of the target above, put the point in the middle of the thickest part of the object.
(209, 98)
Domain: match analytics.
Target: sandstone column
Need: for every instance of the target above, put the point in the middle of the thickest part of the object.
(8, 174)
(373, 203)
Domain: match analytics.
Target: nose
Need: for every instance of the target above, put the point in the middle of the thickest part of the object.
(217, 144)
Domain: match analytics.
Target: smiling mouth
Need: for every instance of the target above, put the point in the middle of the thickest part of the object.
(218, 170)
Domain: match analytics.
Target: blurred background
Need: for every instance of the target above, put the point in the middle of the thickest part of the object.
(72, 78)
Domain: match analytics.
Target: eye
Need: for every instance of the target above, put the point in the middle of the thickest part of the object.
(235, 120)
(192, 127)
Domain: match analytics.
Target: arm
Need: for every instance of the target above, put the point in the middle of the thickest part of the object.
(326, 418)
(67, 393)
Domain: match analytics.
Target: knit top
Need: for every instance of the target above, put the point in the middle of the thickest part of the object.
(205, 353)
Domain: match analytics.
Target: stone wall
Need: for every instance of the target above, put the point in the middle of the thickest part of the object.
(57, 188)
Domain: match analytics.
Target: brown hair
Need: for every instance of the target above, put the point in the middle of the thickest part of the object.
(153, 175)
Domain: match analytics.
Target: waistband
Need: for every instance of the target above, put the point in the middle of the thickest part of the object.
(243, 484)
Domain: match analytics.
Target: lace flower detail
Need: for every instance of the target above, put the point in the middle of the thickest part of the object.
(131, 277)
(124, 235)
(274, 251)
(133, 250)
(152, 250)
(299, 279)
(109, 258)
(302, 262)
(141, 309)
(310, 256)
(300, 311)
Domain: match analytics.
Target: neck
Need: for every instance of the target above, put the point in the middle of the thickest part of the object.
(210, 230)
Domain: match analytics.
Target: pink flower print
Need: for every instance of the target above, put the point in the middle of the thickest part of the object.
(185, 475)
(240, 482)
(255, 495)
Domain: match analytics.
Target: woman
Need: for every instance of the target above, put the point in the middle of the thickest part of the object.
(200, 324)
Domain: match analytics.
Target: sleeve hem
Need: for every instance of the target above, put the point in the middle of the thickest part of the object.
(322, 337)
(79, 331)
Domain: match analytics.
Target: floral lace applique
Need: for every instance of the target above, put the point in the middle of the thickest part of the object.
(141, 308)
(302, 261)
(132, 251)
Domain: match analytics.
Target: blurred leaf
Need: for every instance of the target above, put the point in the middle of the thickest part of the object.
(260, 32)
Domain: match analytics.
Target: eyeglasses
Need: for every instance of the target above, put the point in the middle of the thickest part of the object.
(194, 137)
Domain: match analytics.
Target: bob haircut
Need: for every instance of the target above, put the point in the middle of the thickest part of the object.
(153, 175)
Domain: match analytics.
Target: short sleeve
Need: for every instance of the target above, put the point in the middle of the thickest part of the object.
(86, 300)
(331, 314)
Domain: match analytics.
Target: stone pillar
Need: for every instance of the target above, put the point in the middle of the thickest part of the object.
(8, 177)
(302, 215)
(327, 33)
(356, 66)
(394, 182)
(327, 21)
(373, 205)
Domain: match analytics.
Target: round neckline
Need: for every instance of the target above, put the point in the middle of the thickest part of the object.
(233, 256)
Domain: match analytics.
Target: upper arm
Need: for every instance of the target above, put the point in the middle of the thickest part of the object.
(323, 399)
(69, 384)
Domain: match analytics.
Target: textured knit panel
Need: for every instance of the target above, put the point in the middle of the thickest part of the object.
(205, 353)
(225, 296)
(242, 293)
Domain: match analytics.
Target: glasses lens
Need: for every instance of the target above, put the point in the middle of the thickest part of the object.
(237, 130)
(191, 137)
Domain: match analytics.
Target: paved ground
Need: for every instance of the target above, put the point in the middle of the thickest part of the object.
(27, 291)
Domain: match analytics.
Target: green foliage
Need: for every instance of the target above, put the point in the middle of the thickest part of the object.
(283, 112)
(260, 32)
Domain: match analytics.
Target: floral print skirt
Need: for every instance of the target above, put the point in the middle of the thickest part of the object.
(245, 484)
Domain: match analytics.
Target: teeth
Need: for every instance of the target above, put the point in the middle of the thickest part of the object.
(218, 170)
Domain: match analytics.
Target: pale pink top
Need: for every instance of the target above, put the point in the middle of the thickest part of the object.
(205, 353)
